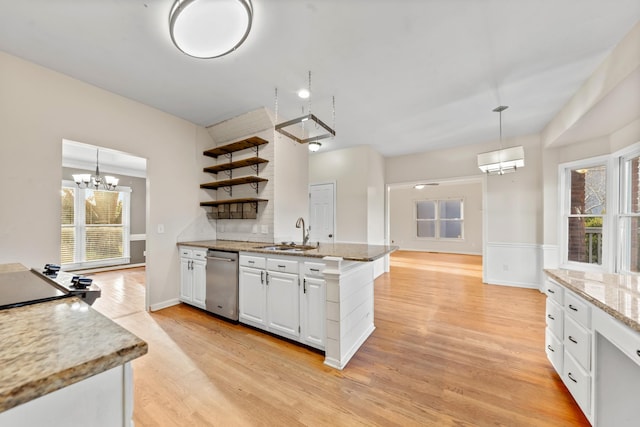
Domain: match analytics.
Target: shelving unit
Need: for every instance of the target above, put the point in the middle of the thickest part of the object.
(242, 208)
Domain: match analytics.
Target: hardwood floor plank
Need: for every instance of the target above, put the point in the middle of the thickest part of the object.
(447, 351)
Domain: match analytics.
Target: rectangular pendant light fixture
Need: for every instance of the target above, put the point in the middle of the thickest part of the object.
(502, 161)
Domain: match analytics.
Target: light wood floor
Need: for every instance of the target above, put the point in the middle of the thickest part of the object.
(447, 351)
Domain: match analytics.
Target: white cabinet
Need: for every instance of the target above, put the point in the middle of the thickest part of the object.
(272, 298)
(568, 342)
(282, 304)
(193, 264)
(313, 300)
(252, 299)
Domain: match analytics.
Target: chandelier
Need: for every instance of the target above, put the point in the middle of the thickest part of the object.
(210, 28)
(504, 160)
(85, 180)
(307, 128)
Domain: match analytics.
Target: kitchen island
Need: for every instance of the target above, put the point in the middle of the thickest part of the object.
(593, 341)
(64, 364)
(321, 297)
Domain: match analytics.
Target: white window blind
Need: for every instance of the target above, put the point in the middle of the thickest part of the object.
(440, 219)
(95, 227)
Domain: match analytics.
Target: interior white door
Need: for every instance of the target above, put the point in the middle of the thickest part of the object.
(322, 212)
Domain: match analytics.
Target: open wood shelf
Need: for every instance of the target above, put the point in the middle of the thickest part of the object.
(251, 142)
(252, 161)
(234, 181)
(232, 201)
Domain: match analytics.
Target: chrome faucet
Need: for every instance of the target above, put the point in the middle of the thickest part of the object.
(305, 232)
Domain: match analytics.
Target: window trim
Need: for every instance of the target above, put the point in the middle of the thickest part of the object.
(79, 226)
(622, 251)
(437, 219)
(564, 185)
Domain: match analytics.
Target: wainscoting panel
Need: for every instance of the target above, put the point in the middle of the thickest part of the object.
(514, 264)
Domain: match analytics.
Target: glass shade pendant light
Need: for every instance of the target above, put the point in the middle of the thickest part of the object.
(210, 28)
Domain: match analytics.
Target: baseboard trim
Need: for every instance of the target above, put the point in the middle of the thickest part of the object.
(164, 304)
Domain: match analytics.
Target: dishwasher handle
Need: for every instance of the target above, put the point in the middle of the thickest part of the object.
(215, 258)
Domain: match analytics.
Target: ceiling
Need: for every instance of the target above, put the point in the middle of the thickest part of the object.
(407, 75)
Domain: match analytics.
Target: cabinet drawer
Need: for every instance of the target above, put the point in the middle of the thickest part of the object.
(186, 253)
(577, 341)
(554, 291)
(313, 269)
(200, 254)
(555, 317)
(578, 382)
(577, 309)
(555, 350)
(282, 265)
(253, 261)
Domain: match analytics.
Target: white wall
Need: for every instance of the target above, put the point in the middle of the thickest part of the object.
(291, 198)
(39, 108)
(402, 218)
(359, 176)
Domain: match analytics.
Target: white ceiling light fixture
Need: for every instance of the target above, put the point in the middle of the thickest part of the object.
(85, 180)
(314, 146)
(210, 28)
(304, 93)
(504, 160)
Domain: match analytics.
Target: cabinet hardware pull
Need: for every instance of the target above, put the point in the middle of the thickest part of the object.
(267, 275)
(551, 317)
(572, 340)
(304, 291)
(262, 277)
(281, 266)
(638, 352)
(572, 307)
(551, 348)
(551, 291)
(251, 262)
(571, 378)
(314, 269)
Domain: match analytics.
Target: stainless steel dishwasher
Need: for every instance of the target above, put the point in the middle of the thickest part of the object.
(222, 284)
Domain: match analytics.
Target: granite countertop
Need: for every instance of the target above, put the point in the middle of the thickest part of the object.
(616, 294)
(347, 251)
(50, 345)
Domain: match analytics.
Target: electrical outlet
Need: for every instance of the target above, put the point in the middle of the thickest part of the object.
(505, 267)
(254, 229)
(160, 228)
(265, 229)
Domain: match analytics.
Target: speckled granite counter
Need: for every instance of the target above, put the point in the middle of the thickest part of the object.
(616, 294)
(347, 251)
(50, 345)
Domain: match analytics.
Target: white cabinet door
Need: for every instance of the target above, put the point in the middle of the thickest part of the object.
(186, 280)
(252, 297)
(198, 270)
(283, 303)
(312, 312)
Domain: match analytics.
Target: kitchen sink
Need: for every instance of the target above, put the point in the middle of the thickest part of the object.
(287, 248)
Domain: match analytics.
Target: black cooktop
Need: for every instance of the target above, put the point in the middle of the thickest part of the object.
(25, 287)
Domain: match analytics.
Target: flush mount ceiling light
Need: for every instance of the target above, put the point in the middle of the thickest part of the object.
(307, 128)
(85, 180)
(210, 28)
(504, 160)
(314, 146)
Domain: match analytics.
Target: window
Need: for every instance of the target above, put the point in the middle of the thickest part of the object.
(440, 219)
(94, 226)
(629, 218)
(587, 207)
(600, 198)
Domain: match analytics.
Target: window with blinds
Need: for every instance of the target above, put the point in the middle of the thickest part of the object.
(94, 227)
